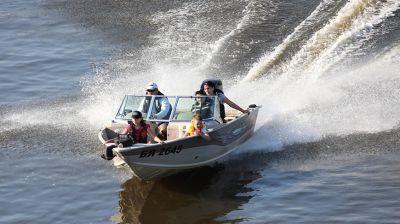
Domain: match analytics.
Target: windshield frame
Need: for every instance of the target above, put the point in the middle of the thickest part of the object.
(147, 115)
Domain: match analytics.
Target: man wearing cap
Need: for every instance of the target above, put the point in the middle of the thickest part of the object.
(162, 108)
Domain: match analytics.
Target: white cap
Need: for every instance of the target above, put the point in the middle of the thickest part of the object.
(152, 86)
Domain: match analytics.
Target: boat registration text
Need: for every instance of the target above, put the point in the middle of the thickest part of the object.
(161, 152)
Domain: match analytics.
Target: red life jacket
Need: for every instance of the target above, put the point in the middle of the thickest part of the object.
(139, 135)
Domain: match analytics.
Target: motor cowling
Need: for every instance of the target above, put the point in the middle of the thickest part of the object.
(252, 106)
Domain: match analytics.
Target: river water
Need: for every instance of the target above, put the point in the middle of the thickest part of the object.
(327, 143)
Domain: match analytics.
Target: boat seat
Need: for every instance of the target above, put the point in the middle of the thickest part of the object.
(231, 115)
(176, 130)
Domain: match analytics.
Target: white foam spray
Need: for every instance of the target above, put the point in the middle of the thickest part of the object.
(272, 58)
(249, 17)
(297, 107)
(355, 16)
(305, 102)
(362, 99)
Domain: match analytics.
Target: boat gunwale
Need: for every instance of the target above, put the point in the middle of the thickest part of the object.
(188, 138)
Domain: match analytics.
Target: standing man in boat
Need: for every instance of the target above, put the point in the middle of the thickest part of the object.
(210, 90)
(162, 109)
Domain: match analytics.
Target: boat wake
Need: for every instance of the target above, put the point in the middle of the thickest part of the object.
(356, 23)
(331, 72)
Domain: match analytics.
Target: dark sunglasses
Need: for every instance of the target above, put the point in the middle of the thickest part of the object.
(150, 90)
(136, 117)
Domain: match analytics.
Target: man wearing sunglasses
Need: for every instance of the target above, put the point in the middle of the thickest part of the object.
(162, 109)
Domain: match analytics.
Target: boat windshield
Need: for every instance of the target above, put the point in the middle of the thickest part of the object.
(181, 108)
(186, 107)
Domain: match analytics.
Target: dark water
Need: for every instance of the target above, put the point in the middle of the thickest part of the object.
(40, 53)
(326, 148)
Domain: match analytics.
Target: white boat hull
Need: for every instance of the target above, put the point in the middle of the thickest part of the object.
(154, 161)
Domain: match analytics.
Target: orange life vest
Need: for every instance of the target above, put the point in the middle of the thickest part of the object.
(191, 130)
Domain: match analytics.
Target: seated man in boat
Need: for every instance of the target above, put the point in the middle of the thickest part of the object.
(136, 131)
(210, 90)
(162, 108)
(197, 127)
(202, 106)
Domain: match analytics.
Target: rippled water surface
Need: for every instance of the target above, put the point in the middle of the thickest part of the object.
(326, 147)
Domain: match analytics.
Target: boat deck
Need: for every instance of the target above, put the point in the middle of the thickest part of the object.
(177, 129)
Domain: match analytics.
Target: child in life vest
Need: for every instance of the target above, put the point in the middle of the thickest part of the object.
(197, 127)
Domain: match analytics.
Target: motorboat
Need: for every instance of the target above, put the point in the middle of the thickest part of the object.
(178, 153)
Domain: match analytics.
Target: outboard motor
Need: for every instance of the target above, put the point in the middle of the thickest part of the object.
(252, 106)
(108, 154)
